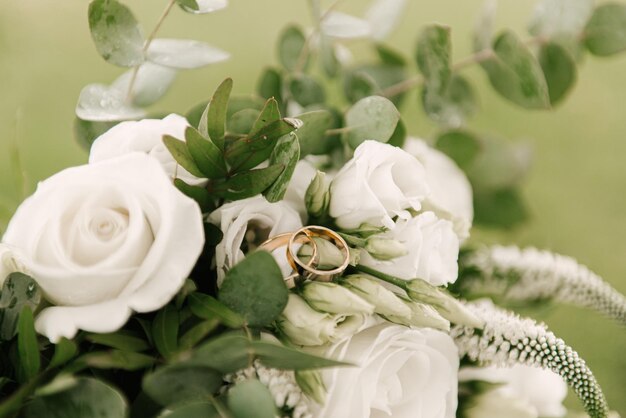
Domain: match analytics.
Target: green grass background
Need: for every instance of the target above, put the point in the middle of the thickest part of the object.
(576, 190)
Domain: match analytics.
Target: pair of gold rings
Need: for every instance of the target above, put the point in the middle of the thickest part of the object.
(308, 270)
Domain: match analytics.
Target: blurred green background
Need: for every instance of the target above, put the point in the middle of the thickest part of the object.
(576, 190)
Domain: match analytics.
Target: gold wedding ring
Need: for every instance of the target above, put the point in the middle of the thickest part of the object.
(284, 240)
(307, 270)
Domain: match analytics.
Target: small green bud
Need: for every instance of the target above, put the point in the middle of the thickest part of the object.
(333, 298)
(385, 248)
(317, 196)
(311, 383)
(304, 325)
(384, 300)
(422, 316)
(449, 307)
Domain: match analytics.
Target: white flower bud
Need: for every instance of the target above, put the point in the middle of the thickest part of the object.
(346, 326)
(304, 325)
(312, 384)
(449, 307)
(333, 298)
(426, 316)
(384, 300)
(385, 248)
(317, 195)
(328, 255)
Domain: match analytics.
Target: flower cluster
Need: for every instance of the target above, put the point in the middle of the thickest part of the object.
(507, 340)
(529, 275)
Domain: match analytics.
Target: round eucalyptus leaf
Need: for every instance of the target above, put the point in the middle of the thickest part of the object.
(151, 83)
(101, 103)
(344, 26)
(559, 68)
(251, 399)
(202, 6)
(184, 54)
(373, 117)
(605, 33)
(453, 106)
(306, 91)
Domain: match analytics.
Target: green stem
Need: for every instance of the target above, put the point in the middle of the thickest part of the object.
(382, 276)
(12, 405)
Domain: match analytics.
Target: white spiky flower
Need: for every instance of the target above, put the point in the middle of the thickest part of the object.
(507, 340)
(527, 275)
(288, 397)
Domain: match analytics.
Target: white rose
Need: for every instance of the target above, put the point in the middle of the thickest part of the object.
(450, 192)
(542, 391)
(251, 221)
(145, 136)
(11, 261)
(400, 372)
(432, 250)
(378, 183)
(105, 239)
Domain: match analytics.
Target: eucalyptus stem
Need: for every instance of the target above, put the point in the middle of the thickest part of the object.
(146, 45)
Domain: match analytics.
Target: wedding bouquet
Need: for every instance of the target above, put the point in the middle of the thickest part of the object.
(275, 255)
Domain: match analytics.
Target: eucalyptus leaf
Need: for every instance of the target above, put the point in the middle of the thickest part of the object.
(206, 154)
(86, 131)
(251, 399)
(515, 73)
(290, 48)
(434, 49)
(383, 76)
(559, 69)
(328, 56)
(399, 135)
(358, 85)
(605, 33)
(390, 56)
(343, 26)
(192, 410)
(202, 6)
(306, 91)
(117, 359)
(180, 383)
(271, 84)
(116, 33)
(207, 307)
(151, 83)
(499, 209)
(27, 346)
(255, 288)
(312, 133)
(287, 153)
(165, 331)
(246, 184)
(560, 18)
(122, 340)
(373, 117)
(383, 16)
(64, 351)
(18, 290)
(200, 194)
(184, 54)
(453, 106)
(242, 122)
(182, 155)
(461, 146)
(238, 103)
(101, 103)
(88, 398)
(213, 121)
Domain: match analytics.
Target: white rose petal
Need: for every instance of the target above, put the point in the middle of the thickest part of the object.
(378, 183)
(145, 136)
(451, 192)
(105, 239)
(401, 372)
(11, 261)
(251, 220)
(432, 250)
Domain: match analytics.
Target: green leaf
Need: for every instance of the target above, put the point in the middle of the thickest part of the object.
(358, 85)
(227, 353)
(27, 346)
(251, 399)
(86, 131)
(242, 122)
(238, 103)
(281, 357)
(328, 57)
(605, 33)
(500, 165)
(515, 73)
(248, 183)
(64, 351)
(390, 56)
(197, 333)
(165, 331)
(18, 291)
(206, 154)
(255, 288)
(122, 340)
(270, 113)
(559, 69)
(459, 145)
(116, 33)
(433, 56)
(117, 359)
(382, 75)
(181, 154)
(197, 193)
(453, 106)
(290, 45)
(312, 133)
(207, 307)
(370, 118)
(248, 152)
(213, 119)
(202, 6)
(560, 18)
(270, 84)
(399, 135)
(101, 103)
(151, 83)
(499, 209)
(88, 398)
(287, 153)
(193, 410)
(306, 91)
(184, 54)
